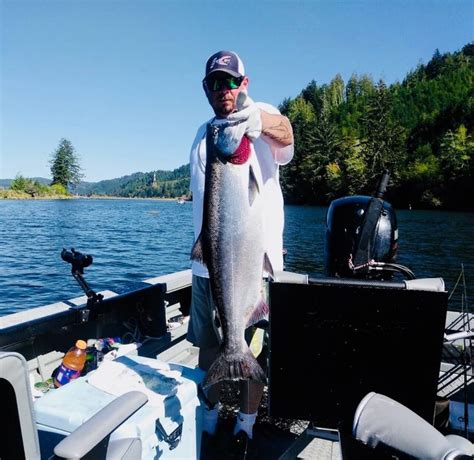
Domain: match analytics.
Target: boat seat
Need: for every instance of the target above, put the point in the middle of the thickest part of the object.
(290, 277)
(381, 422)
(20, 435)
(426, 284)
(351, 337)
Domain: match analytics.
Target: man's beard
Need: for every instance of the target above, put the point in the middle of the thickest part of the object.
(224, 108)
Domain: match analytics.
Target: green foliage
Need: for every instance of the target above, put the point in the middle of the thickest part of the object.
(420, 129)
(426, 171)
(19, 183)
(58, 189)
(456, 153)
(383, 146)
(295, 182)
(65, 168)
(23, 187)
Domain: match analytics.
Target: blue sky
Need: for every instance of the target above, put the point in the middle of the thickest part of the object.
(121, 79)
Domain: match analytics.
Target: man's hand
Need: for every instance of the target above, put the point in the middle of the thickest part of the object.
(231, 129)
(248, 109)
(253, 127)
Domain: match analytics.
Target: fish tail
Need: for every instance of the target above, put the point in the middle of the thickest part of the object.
(241, 367)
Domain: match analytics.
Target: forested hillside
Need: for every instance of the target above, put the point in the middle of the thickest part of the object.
(420, 129)
(154, 184)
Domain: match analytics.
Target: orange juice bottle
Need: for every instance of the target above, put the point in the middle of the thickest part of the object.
(72, 365)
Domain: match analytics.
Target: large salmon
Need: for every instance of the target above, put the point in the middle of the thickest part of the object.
(231, 245)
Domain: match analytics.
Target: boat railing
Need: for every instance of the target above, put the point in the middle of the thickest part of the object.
(146, 313)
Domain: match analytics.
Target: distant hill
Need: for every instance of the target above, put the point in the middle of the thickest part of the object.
(159, 184)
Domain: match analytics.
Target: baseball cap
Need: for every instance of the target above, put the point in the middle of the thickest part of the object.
(225, 61)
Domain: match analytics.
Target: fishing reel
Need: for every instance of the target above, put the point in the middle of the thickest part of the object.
(77, 260)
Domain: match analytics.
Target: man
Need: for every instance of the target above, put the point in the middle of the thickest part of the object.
(225, 85)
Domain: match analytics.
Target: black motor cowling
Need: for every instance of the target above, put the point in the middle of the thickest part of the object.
(361, 237)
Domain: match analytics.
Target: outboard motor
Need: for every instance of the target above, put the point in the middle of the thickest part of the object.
(361, 237)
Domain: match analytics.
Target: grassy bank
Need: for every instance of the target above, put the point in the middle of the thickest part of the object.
(22, 195)
(24, 188)
(9, 194)
(112, 197)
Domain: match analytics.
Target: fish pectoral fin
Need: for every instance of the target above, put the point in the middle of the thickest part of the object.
(267, 266)
(254, 189)
(197, 252)
(259, 313)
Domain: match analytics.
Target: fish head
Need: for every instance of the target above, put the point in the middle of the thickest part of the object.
(231, 154)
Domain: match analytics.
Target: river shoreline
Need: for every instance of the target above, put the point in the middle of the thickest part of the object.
(21, 197)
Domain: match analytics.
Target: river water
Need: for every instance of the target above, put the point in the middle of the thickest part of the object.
(132, 240)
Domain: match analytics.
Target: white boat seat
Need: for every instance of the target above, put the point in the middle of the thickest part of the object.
(381, 421)
(20, 435)
(426, 284)
(20, 439)
(290, 277)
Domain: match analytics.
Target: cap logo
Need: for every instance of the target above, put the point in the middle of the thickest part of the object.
(224, 60)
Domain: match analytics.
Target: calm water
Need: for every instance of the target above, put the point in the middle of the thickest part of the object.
(132, 240)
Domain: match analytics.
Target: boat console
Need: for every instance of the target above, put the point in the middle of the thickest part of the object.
(332, 341)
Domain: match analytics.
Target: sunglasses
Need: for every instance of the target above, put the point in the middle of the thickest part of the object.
(217, 84)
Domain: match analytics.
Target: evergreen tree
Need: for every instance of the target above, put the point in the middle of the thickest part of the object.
(296, 183)
(313, 94)
(326, 170)
(435, 66)
(457, 151)
(348, 115)
(383, 146)
(334, 94)
(355, 167)
(65, 168)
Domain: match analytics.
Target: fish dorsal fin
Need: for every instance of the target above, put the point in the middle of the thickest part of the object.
(197, 253)
(267, 266)
(254, 189)
(259, 312)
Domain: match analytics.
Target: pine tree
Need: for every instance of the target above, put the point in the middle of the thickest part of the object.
(383, 146)
(326, 171)
(457, 151)
(296, 175)
(334, 94)
(65, 168)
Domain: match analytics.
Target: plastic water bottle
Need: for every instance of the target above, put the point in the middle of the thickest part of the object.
(72, 365)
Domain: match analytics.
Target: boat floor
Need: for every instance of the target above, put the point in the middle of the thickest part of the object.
(274, 438)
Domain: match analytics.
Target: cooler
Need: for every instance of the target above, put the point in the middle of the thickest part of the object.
(169, 425)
